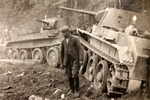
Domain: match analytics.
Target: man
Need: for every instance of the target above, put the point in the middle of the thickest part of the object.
(71, 58)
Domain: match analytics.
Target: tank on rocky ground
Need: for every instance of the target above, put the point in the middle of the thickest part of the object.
(117, 50)
(42, 46)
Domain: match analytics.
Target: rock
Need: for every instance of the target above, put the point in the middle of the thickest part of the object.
(7, 88)
(7, 73)
(112, 99)
(62, 96)
(34, 97)
(47, 99)
(22, 74)
(2, 95)
(57, 93)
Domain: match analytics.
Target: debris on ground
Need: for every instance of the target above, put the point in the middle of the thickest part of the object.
(34, 97)
(7, 73)
(19, 75)
(42, 81)
(62, 96)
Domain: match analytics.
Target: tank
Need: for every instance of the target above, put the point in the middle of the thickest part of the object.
(42, 47)
(116, 50)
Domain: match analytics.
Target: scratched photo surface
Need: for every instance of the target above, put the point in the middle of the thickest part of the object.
(108, 49)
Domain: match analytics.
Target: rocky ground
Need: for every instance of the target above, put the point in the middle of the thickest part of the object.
(20, 81)
(33, 81)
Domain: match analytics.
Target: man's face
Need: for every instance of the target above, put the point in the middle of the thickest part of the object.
(66, 34)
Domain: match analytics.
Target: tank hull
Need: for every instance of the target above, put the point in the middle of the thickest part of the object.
(43, 46)
(117, 53)
(35, 43)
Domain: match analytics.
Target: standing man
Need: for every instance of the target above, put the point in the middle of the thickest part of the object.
(71, 58)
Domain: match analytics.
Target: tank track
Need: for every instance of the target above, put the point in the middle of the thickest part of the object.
(117, 84)
(120, 78)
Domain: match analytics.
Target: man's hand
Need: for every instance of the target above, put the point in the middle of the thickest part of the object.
(80, 63)
(61, 66)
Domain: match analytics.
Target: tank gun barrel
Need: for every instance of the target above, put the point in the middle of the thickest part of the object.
(80, 11)
(42, 21)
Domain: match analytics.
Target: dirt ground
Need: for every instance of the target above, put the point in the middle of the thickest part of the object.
(18, 81)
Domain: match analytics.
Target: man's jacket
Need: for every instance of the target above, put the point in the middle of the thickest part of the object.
(73, 48)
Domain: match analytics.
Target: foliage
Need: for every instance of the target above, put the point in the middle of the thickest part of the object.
(18, 15)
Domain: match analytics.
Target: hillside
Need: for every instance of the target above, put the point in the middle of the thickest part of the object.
(17, 16)
(32, 81)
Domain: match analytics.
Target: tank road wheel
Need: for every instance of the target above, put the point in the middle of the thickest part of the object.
(8, 53)
(85, 60)
(52, 57)
(15, 54)
(37, 54)
(23, 55)
(90, 68)
(100, 76)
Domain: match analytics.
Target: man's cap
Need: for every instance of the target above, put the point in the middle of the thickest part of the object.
(64, 29)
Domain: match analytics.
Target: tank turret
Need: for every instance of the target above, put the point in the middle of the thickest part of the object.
(49, 23)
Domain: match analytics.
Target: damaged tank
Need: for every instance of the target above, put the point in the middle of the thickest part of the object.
(42, 47)
(116, 51)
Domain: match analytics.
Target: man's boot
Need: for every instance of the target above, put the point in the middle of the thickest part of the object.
(71, 85)
(76, 87)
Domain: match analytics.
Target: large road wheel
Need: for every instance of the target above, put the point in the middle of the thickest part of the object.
(8, 53)
(38, 55)
(90, 68)
(85, 61)
(52, 57)
(23, 55)
(15, 54)
(100, 76)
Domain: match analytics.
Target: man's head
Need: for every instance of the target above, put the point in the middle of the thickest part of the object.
(65, 31)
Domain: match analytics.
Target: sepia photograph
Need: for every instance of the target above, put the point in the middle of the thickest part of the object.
(75, 50)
